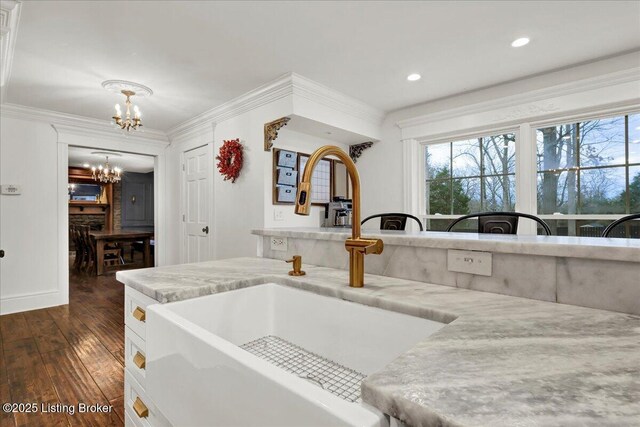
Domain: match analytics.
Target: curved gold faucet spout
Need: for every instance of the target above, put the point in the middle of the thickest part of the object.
(356, 245)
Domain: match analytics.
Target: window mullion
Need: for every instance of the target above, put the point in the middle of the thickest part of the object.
(576, 154)
(451, 178)
(526, 176)
(627, 201)
(482, 189)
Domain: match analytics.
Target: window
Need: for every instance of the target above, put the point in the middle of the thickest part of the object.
(590, 169)
(468, 176)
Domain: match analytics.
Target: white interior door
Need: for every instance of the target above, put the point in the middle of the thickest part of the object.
(197, 204)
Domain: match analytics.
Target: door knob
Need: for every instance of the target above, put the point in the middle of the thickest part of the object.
(205, 230)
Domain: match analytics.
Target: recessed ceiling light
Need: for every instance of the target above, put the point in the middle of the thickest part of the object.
(520, 42)
(413, 77)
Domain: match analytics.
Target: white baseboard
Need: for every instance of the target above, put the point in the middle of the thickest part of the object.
(15, 304)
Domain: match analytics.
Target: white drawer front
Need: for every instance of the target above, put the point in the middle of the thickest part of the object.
(135, 355)
(134, 392)
(135, 308)
(130, 419)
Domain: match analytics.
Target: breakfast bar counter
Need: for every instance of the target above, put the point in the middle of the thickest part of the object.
(611, 249)
(499, 361)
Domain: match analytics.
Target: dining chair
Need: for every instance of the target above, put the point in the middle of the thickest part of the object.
(499, 222)
(629, 231)
(76, 246)
(393, 221)
(88, 252)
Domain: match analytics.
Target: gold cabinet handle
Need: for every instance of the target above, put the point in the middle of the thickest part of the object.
(139, 314)
(139, 360)
(141, 409)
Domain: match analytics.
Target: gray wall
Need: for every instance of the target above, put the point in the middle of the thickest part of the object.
(138, 213)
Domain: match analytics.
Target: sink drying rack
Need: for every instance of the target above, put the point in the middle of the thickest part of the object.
(331, 376)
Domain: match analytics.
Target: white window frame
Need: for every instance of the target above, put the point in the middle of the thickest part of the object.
(526, 166)
(460, 137)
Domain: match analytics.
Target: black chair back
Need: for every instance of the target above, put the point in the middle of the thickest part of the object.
(609, 231)
(499, 222)
(393, 221)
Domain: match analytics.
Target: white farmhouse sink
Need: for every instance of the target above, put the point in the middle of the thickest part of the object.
(199, 375)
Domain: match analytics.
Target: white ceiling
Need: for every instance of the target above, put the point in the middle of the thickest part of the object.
(126, 161)
(197, 55)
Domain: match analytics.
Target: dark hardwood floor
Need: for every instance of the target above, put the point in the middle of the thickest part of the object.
(66, 355)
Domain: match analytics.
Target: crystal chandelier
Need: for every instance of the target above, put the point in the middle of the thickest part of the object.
(106, 174)
(128, 122)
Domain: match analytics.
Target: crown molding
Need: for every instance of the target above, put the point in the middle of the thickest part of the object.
(316, 92)
(80, 125)
(203, 131)
(9, 20)
(602, 81)
(285, 85)
(253, 99)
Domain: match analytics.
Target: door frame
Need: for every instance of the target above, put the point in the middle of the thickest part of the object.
(183, 200)
(72, 136)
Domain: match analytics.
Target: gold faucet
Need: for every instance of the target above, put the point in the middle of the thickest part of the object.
(356, 245)
(297, 266)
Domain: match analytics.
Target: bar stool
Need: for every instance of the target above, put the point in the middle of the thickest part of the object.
(499, 222)
(393, 221)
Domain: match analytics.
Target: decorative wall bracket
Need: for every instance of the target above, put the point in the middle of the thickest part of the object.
(271, 131)
(356, 150)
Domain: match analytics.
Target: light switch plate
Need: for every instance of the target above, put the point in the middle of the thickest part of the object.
(279, 244)
(11, 189)
(472, 262)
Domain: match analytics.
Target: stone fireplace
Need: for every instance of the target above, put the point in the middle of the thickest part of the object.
(96, 222)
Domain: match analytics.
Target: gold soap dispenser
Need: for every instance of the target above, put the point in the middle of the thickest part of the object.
(297, 266)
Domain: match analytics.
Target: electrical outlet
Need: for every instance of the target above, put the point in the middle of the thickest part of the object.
(472, 262)
(279, 244)
(278, 215)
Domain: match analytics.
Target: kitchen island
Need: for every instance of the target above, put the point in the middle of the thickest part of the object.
(499, 361)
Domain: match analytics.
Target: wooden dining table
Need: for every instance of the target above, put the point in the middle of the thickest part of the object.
(105, 237)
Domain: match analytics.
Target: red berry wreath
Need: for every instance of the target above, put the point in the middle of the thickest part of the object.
(230, 159)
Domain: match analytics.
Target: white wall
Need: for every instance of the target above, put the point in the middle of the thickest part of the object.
(29, 222)
(173, 211)
(303, 143)
(239, 206)
(380, 170)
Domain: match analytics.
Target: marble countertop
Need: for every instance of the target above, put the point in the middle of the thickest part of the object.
(564, 246)
(500, 361)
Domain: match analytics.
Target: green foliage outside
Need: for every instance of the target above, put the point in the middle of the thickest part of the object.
(634, 194)
(441, 192)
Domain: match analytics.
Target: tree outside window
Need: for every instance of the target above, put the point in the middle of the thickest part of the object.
(470, 176)
(588, 168)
